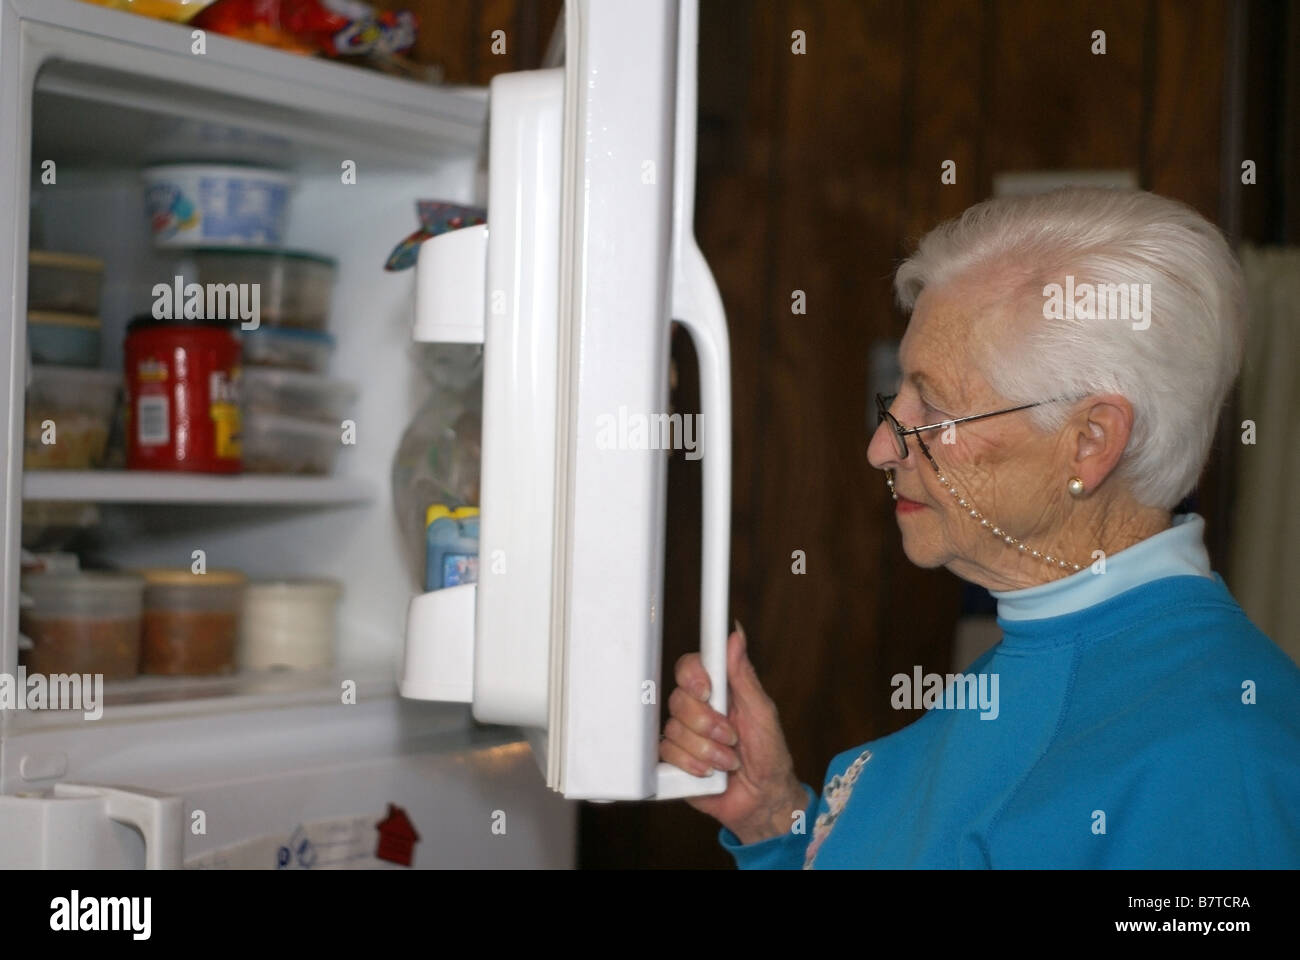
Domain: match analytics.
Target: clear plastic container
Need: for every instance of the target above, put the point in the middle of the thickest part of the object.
(288, 348)
(83, 623)
(63, 282)
(191, 621)
(67, 339)
(278, 444)
(69, 413)
(294, 288)
(292, 393)
(289, 624)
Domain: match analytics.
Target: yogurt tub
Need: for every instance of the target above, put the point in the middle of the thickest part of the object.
(289, 624)
(197, 205)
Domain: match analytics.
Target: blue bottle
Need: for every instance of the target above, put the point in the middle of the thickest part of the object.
(451, 556)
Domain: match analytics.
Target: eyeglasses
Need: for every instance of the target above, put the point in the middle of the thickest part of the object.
(884, 402)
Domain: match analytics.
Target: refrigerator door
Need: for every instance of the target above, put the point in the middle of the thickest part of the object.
(630, 267)
(590, 257)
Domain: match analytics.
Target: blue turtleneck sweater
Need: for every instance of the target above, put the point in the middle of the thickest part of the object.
(1128, 719)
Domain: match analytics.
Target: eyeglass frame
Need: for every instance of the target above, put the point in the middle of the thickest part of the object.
(884, 401)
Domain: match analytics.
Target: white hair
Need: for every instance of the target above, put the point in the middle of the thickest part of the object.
(1176, 373)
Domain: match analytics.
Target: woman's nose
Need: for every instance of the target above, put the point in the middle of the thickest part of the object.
(882, 452)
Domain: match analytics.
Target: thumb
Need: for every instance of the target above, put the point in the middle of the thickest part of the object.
(741, 675)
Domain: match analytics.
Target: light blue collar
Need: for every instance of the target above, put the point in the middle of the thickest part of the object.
(1176, 552)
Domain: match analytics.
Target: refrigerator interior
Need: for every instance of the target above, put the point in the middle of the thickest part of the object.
(264, 753)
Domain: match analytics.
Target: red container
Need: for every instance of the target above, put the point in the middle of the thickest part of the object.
(182, 382)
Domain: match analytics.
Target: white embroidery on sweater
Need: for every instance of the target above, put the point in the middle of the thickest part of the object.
(837, 797)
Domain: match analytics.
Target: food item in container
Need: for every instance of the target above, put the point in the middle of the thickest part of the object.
(335, 28)
(278, 444)
(292, 393)
(63, 282)
(180, 11)
(452, 558)
(288, 348)
(182, 379)
(67, 417)
(192, 205)
(191, 621)
(66, 339)
(83, 623)
(289, 624)
(293, 287)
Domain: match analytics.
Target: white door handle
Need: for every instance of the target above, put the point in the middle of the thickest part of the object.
(158, 816)
(698, 307)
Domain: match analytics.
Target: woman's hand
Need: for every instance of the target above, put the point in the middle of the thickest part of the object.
(762, 791)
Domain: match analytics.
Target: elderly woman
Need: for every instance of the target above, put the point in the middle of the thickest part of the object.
(1064, 368)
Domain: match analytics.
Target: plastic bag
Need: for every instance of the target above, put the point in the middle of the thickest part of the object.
(438, 458)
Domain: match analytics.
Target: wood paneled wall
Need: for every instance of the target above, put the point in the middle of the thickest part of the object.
(458, 35)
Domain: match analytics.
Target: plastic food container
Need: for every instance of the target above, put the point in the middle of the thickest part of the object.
(191, 621)
(288, 348)
(277, 444)
(83, 623)
(292, 393)
(63, 282)
(294, 288)
(451, 557)
(182, 384)
(67, 339)
(68, 416)
(192, 205)
(290, 624)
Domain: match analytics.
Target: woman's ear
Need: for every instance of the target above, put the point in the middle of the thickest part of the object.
(1102, 438)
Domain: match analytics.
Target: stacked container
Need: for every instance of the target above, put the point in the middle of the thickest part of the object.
(293, 411)
(70, 401)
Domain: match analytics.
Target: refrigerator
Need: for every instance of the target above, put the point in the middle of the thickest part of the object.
(459, 727)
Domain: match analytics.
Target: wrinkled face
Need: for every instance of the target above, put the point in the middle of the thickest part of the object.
(1003, 466)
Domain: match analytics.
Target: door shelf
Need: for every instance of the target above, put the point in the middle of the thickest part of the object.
(138, 486)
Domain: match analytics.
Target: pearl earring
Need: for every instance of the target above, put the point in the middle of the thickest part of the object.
(889, 480)
(1075, 486)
